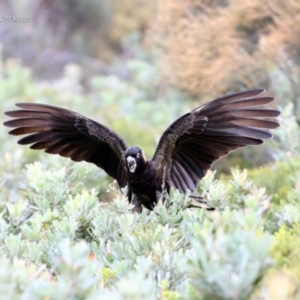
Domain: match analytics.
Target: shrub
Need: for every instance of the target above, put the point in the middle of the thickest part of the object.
(58, 240)
(209, 48)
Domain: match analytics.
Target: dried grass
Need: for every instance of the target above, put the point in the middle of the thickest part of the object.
(214, 47)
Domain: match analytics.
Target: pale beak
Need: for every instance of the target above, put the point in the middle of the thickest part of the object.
(131, 164)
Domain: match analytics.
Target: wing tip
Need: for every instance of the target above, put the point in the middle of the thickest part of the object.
(275, 124)
(13, 132)
(11, 113)
(22, 104)
(9, 123)
(248, 93)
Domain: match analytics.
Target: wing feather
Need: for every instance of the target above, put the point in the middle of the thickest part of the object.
(194, 141)
(61, 131)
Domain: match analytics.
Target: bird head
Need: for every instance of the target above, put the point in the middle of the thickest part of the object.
(135, 159)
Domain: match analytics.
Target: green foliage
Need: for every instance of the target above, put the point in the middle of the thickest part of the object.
(288, 134)
(277, 178)
(59, 241)
(287, 239)
(236, 264)
(281, 179)
(286, 252)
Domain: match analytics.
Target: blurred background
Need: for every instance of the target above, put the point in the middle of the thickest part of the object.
(137, 65)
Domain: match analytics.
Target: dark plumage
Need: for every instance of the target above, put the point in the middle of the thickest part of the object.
(185, 152)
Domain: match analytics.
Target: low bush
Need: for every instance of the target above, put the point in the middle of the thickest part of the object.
(59, 240)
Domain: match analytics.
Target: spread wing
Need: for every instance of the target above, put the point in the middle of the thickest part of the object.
(61, 131)
(193, 142)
